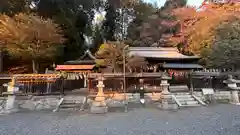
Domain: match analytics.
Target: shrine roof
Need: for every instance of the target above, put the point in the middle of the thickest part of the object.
(74, 67)
(30, 76)
(80, 62)
(86, 58)
(36, 76)
(159, 52)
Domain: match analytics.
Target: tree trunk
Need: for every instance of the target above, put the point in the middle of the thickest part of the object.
(34, 66)
(1, 61)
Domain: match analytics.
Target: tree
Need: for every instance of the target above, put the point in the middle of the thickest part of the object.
(172, 4)
(225, 50)
(141, 12)
(31, 38)
(198, 28)
(153, 26)
(110, 25)
(11, 7)
(75, 18)
(110, 55)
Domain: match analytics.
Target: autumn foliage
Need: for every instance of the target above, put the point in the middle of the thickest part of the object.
(110, 55)
(198, 28)
(30, 37)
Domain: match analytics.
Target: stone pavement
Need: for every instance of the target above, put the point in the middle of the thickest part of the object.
(213, 120)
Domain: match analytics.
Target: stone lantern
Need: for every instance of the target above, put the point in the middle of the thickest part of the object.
(232, 84)
(99, 104)
(166, 96)
(164, 83)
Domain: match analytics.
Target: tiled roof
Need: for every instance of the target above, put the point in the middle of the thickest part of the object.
(158, 52)
(74, 67)
(87, 58)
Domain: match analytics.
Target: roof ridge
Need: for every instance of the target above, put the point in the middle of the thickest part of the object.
(154, 49)
(89, 53)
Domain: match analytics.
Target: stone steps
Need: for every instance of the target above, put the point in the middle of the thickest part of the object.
(182, 93)
(68, 104)
(195, 105)
(186, 99)
(186, 102)
(183, 96)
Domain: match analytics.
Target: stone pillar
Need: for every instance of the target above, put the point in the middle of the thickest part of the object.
(99, 104)
(11, 105)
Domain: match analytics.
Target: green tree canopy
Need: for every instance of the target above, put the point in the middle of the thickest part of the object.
(225, 51)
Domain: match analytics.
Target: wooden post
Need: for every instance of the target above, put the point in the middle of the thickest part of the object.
(191, 82)
(89, 84)
(62, 85)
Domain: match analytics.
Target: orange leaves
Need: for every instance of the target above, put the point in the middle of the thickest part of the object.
(30, 37)
(110, 54)
(198, 28)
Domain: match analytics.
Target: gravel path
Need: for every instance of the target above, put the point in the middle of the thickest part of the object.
(214, 120)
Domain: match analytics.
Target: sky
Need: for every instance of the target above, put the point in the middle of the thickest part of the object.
(190, 2)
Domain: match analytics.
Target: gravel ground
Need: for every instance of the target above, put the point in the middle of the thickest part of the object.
(214, 120)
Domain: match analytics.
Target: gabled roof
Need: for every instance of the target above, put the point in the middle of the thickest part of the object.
(88, 54)
(86, 58)
(158, 52)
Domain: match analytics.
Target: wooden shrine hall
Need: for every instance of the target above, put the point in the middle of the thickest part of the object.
(167, 59)
(76, 70)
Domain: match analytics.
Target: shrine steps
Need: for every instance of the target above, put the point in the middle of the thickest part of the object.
(186, 99)
(67, 104)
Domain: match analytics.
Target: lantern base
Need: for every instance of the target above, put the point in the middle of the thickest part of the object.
(98, 107)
